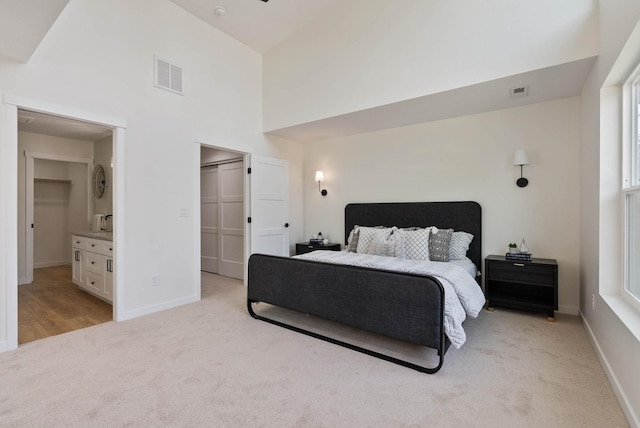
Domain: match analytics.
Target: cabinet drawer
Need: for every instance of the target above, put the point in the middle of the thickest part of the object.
(305, 247)
(93, 263)
(99, 246)
(93, 283)
(78, 242)
(106, 248)
(92, 245)
(522, 272)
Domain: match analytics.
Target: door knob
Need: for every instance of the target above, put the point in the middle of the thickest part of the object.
(286, 225)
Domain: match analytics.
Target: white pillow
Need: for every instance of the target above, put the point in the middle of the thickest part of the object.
(381, 243)
(416, 243)
(400, 248)
(365, 237)
(459, 245)
(388, 243)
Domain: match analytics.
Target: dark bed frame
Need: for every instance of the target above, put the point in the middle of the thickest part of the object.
(403, 306)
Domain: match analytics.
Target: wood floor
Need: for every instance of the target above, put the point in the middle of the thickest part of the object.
(52, 305)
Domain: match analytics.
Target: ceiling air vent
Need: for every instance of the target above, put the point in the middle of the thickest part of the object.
(168, 76)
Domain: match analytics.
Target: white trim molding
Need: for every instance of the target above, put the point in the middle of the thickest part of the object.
(626, 405)
(9, 204)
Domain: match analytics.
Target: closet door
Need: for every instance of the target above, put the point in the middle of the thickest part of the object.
(231, 219)
(209, 219)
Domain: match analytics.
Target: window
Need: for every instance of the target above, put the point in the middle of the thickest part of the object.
(631, 192)
(632, 212)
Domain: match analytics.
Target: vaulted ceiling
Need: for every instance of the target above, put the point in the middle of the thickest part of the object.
(258, 24)
(262, 25)
(24, 23)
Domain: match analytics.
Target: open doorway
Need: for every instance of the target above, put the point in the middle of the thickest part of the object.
(57, 158)
(265, 184)
(222, 212)
(223, 231)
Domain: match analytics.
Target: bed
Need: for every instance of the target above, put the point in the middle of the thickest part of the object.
(407, 306)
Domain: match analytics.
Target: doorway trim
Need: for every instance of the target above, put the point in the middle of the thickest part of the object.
(29, 200)
(200, 142)
(8, 217)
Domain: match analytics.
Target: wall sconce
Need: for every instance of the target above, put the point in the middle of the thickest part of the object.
(520, 159)
(320, 179)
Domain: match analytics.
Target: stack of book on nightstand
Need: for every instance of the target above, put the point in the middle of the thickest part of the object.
(525, 257)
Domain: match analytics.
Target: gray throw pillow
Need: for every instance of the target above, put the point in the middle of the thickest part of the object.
(354, 236)
(439, 245)
(459, 245)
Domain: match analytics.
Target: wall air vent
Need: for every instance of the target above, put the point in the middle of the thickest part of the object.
(168, 76)
(519, 91)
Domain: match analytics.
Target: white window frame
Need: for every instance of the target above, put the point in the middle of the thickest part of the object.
(630, 172)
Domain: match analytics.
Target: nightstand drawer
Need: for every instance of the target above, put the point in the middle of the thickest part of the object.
(523, 272)
(306, 247)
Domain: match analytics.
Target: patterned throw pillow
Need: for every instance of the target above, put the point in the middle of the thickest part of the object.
(439, 245)
(352, 241)
(416, 243)
(459, 245)
(388, 243)
(366, 235)
(400, 248)
(381, 243)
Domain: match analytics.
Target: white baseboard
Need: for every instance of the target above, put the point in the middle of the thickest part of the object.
(4, 346)
(135, 313)
(571, 310)
(627, 408)
(50, 264)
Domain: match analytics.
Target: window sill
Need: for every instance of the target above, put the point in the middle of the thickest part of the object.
(627, 313)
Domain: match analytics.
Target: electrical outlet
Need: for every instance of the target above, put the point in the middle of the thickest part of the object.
(593, 301)
(155, 281)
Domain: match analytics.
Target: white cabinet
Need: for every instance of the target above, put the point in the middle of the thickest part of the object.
(93, 266)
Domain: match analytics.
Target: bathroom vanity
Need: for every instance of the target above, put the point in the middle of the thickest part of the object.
(92, 255)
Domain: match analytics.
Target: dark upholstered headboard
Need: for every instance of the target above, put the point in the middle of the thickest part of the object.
(460, 216)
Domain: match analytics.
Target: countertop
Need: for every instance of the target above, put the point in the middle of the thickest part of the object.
(103, 235)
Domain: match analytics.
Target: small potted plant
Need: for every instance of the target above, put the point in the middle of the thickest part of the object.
(513, 248)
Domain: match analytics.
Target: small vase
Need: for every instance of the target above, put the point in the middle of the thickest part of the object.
(512, 250)
(523, 247)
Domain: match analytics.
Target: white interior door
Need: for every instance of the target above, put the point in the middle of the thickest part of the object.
(231, 219)
(209, 219)
(269, 206)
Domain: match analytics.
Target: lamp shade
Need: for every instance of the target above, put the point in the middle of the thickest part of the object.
(319, 176)
(520, 158)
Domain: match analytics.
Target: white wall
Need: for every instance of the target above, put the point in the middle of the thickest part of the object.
(98, 57)
(466, 158)
(50, 216)
(211, 155)
(601, 230)
(103, 153)
(375, 52)
(51, 207)
(78, 216)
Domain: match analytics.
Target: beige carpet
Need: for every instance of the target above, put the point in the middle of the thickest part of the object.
(211, 364)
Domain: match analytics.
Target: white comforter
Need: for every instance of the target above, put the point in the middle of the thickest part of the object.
(462, 294)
